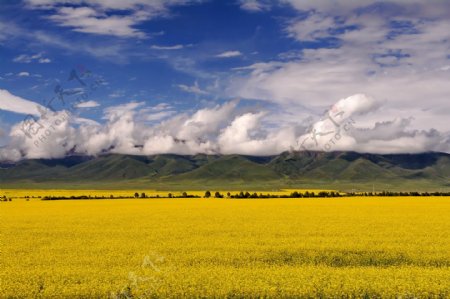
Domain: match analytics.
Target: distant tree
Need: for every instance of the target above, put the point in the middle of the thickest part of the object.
(111, 196)
(207, 194)
(143, 195)
(170, 195)
(136, 195)
(185, 194)
(228, 194)
(218, 195)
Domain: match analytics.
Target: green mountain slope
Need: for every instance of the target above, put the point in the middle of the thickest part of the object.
(231, 168)
(286, 169)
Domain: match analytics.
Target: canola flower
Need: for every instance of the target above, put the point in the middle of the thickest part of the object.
(156, 248)
(41, 193)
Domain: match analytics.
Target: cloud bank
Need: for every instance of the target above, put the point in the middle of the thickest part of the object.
(223, 129)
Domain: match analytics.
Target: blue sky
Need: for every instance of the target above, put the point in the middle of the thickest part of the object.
(250, 77)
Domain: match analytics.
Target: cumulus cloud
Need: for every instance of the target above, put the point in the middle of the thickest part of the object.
(133, 128)
(23, 74)
(343, 128)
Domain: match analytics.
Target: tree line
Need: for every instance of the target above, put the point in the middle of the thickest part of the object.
(246, 194)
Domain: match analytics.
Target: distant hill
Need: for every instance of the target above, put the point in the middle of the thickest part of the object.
(296, 169)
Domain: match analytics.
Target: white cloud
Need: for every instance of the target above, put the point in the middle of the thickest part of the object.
(432, 8)
(313, 27)
(117, 94)
(23, 74)
(104, 50)
(116, 112)
(174, 47)
(236, 138)
(229, 54)
(192, 89)
(88, 104)
(88, 20)
(115, 18)
(8, 30)
(253, 5)
(161, 106)
(135, 129)
(157, 116)
(12, 103)
(24, 58)
(44, 60)
(110, 51)
(399, 64)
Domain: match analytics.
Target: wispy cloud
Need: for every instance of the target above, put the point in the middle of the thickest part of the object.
(174, 47)
(192, 89)
(13, 103)
(88, 104)
(114, 18)
(117, 94)
(88, 20)
(25, 58)
(229, 54)
(254, 5)
(110, 51)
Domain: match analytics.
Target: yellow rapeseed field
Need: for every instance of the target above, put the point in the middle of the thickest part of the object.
(40, 193)
(355, 247)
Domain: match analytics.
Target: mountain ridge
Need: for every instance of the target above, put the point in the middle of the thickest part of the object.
(288, 168)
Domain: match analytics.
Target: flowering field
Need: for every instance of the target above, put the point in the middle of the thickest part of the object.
(140, 248)
(41, 193)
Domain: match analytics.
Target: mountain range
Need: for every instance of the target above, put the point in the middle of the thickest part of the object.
(289, 169)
